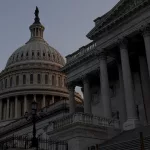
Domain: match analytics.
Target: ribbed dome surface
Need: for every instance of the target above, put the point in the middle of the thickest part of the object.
(36, 50)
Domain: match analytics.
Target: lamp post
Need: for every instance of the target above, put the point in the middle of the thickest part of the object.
(34, 115)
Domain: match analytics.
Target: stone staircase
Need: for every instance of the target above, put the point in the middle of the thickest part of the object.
(127, 140)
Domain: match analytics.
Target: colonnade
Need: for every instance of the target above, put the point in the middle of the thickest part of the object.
(126, 84)
(16, 106)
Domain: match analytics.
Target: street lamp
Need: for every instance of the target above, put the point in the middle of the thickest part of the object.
(34, 115)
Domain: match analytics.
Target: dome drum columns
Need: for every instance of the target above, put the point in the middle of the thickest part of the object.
(15, 107)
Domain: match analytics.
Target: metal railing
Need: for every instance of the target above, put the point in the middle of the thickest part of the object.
(23, 142)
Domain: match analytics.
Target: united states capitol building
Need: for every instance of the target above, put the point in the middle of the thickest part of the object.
(113, 72)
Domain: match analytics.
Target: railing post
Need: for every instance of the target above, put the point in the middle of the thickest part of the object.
(76, 118)
(95, 121)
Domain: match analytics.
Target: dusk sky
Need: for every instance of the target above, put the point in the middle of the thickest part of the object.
(66, 23)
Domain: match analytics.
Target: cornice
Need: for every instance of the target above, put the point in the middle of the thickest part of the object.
(132, 7)
(82, 59)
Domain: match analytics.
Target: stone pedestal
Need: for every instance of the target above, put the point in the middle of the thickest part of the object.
(131, 124)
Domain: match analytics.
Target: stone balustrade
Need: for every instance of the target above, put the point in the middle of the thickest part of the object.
(81, 52)
(87, 119)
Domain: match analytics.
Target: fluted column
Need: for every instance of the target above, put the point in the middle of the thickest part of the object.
(1, 109)
(145, 85)
(122, 104)
(16, 107)
(11, 109)
(71, 98)
(34, 97)
(53, 99)
(25, 104)
(132, 119)
(87, 96)
(146, 36)
(7, 117)
(104, 84)
(43, 102)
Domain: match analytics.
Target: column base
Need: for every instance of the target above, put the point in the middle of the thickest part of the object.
(131, 124)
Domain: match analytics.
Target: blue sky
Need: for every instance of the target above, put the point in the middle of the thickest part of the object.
(66, 23)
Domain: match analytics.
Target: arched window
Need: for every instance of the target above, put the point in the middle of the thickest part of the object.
(46, 79)
(24, 79)
(5, 83)
(53, 80)
(39, 78)
(36, 31)
(32, 54)
(22, 55)
(27, 54)
(17, 80)
(11, 82)
(31, 78)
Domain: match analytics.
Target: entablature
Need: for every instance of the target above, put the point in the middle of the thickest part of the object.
(121, 12)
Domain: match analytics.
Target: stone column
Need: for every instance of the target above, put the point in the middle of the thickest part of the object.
(16, 107)
(145, 85)
(25, 104)
(53, 99)
(104, 84)
(87, 96)
(146, 36)
(132, 119)
(7, 117)
(1, 103)
(71, 89)
(11, 109)
(34, 97)
(43, 102)
(122, 104)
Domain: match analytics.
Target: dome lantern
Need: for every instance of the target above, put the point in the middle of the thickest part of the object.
(36, 28)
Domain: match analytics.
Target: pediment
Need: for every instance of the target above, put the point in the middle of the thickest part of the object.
(122, 8)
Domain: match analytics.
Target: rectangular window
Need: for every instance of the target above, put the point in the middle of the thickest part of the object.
(17, 80)
(11, 82)
(5, 83)
(46, 79)
(39, 78)
(31, 78)
(24, 79)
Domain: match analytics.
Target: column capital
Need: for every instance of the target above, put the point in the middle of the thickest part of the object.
(102, 55)
(122, 42)
(145, 30)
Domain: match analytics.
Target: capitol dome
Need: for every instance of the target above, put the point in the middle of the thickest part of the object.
(32, 73)
(36, 49)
